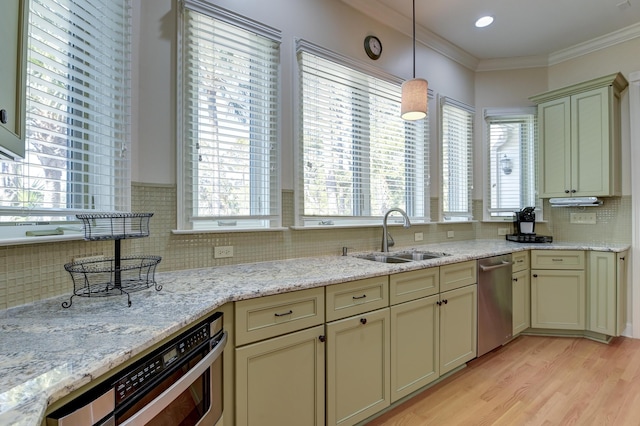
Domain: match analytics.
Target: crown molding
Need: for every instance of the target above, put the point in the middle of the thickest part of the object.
(388, 16)
(402, 24)
(513, 63)
(607, 40)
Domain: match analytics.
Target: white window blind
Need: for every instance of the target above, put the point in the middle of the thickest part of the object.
(358, 157)
(78, 113)
(457, 159)
(229, 124)
(512, 161)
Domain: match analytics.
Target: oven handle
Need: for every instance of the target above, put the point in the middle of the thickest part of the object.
(154, 408)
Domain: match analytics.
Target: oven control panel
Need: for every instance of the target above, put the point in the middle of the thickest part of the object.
(156, 363)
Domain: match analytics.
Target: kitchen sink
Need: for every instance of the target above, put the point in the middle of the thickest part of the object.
(402, 257)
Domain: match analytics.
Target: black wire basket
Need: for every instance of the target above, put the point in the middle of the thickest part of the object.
(116, 275)
(100, 278)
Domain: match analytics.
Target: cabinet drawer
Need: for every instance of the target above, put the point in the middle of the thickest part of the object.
(520, 261)
(269, 316)
(458, 275)
(356, 297)
(413, 285)
(557, 259)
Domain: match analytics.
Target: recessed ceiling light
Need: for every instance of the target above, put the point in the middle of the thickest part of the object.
(484, 21)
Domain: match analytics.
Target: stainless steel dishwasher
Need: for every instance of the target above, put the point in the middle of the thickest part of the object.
(495, 326)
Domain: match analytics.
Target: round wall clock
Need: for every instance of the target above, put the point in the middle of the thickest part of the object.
(373, 47)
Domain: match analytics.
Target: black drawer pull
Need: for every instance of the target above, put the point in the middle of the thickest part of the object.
(363, 321)
(285, 314)
(359, 297)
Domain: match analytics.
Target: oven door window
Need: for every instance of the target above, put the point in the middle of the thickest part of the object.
(186, 409)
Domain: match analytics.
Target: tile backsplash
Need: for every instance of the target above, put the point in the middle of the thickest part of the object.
(32, 272)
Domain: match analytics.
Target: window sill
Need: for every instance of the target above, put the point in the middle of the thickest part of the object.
(224, 231)
(41, 239)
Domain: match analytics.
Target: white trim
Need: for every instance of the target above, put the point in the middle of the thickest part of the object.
(634, 272)
(608, 40)
(232, 18)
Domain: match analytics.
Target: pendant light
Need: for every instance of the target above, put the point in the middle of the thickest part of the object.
(414, 91)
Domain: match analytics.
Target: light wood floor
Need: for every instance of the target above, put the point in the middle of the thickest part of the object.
(535, 381)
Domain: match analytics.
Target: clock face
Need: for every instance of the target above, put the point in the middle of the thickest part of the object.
(373, 47)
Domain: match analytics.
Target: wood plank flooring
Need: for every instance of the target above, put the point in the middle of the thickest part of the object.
(534, 381)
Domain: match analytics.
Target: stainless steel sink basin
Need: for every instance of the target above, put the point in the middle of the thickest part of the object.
(402, 257)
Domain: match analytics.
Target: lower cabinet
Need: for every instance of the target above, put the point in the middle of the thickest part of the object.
(558, 289)
(281, 381)
(358, 367)
(521, 287)
(607, 291)
(415, 345)
(458, 327)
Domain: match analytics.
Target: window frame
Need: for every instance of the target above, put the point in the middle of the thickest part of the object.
(505, 113)
(446, 216)
(74, 120)
(189, 222)
(307, 221)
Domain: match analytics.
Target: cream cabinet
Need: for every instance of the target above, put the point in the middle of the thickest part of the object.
(458, 312)
(280, 381)
(607, 292)
(558, 289)
(13, 33)
(358, 367)
(458, 327)
(521, 291)
(415, 330)
(580, 146)
(275, 336)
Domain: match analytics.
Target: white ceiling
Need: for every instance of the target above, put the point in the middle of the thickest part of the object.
(539, 30)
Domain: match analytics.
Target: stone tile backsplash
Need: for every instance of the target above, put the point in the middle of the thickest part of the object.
(32, 272)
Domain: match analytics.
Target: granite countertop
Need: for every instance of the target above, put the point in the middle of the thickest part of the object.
(48, 352)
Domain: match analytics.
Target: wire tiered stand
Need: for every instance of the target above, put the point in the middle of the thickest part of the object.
(118, 275)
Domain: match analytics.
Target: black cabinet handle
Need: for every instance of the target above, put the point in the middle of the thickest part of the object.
(535, 275)
(322, 338)
(445, 301)
(363, 321)
(359, 297)
(285, 314)
(566, 191)
(4, 117)
(515, 279)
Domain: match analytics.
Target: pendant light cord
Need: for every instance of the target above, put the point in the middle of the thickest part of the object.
(414, 38)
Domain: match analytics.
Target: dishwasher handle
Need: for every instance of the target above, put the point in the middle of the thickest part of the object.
(504, 264)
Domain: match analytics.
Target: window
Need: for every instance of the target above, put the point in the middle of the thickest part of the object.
(358, 157)
(457, 157)
(511, 139)
(228, 137)
(78, 114)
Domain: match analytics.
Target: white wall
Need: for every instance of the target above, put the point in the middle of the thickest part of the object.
(328, 23)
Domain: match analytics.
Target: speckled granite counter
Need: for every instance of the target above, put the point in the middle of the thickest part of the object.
(46, 351)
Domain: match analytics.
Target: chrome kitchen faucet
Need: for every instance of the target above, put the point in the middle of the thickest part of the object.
(387, 241)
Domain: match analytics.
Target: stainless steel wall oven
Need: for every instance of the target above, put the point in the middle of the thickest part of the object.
(180, 383)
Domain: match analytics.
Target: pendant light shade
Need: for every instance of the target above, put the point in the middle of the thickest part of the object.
(414, 99)
(414, 92)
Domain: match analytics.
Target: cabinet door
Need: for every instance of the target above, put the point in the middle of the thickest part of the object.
(521, 301)
(554, 118)
(358, 367)
(280, 381)
(458, 327)
(621, 280)
(558, 299)
(13, 22)
(602, 293)
(590, 143)
(414, 345)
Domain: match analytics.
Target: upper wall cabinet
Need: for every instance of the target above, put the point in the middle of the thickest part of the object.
(579, 151)
(13, 33)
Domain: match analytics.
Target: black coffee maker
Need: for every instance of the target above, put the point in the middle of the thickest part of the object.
(525, 221)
